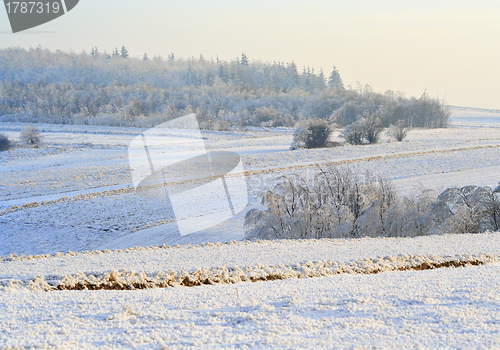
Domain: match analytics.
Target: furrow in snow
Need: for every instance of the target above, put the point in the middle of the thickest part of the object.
(364, 159)
(129, 280)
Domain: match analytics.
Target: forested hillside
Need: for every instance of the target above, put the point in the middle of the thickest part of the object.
(38, 85)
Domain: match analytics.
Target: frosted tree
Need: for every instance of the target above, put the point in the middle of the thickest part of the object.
(30, 135)
(365, 130)
(244, 59)
(336, 202)
(321, 80)
(293, 75)
(334, 81)
(311, 134)
(123, 52)
(37, 85)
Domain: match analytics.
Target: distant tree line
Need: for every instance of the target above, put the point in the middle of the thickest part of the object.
(38, 85)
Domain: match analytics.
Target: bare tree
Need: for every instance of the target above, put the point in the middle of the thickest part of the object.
(366, 130)
(399, 130)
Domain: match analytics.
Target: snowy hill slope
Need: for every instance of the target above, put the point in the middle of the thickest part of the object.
(438, 308)
(74, 192)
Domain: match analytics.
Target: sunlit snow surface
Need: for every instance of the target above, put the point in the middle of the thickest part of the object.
(447, 307)
(75, 193)
(78, 195)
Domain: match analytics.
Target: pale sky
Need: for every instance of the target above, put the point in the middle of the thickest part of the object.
(449, 48)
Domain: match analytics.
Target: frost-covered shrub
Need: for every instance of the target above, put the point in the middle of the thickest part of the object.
(30, 135)
(353, 133)
(221, 125)
(5, 143)
(363, 131)
(470, 209)
(311, 134)
(265, 116)
(338, 203)
(372, 129)
(399, 130)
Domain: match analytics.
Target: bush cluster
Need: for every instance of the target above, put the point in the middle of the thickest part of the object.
(338, 203)
(366, 130)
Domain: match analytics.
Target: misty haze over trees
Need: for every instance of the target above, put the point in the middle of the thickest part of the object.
(38, 85)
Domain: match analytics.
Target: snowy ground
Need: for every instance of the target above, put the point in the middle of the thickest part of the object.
(73, 194)
(446, 307)
(452, 308)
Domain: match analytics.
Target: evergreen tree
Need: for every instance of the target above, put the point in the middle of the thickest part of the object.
(335, 82)
(244, 59)
(222, 74)
(145, 57)
(171, 57)
(294, 74)
(191, 78)
(307, 78)
(320, 84)
(115, 52)
(124, 52)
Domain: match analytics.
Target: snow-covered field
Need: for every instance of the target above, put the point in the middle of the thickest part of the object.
(352, 308)
(74, 194)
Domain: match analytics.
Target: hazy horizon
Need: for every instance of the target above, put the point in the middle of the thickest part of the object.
(449, 49)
